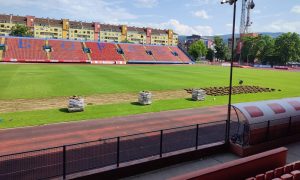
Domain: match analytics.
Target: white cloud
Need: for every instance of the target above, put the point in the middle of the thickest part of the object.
(145, 3)
(201, 14)
(103, 11)
(282, 26)
(184, 29)
(178, 27)
(91, 10)
(296, 9)
(193, 3)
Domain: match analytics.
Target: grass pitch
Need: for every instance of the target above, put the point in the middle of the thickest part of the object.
(19, 81)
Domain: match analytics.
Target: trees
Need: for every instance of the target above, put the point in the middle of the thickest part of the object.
(197, 49)
(248, 53)
(210, 55)
(267, 50)
(287, 47)
(257, 47)
(265, 47)
(221, 48)
(20, 30)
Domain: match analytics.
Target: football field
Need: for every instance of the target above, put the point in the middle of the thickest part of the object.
(47, 83)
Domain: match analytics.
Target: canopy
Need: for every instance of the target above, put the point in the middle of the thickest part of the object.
(263, 111)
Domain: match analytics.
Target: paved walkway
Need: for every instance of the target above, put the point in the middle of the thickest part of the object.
(183, 168)
(32, 138)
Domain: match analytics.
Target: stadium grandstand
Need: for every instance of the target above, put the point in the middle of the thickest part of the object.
(21, 49)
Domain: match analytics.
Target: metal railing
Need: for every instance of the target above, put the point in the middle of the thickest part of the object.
(109, 153)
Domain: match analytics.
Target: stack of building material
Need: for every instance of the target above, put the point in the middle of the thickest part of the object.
(145, 98)
(198, 95)
(76, 104)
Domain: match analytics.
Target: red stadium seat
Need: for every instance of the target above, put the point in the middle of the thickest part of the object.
(67, 51)
(296, 174)
(269, 175)
(25, 50)
(297, 165)
(287, 177)
(278, 172)
(251, 178)
(162, 53)
(260, 177)
(288, 168)
(181, 54)
(104, 51)
(135, 52)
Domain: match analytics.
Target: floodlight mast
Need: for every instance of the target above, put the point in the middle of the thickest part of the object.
(227, 135)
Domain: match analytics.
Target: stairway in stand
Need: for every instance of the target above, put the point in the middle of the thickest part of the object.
(118, 47)
(88, 54)
(48, 53)
(176, 56)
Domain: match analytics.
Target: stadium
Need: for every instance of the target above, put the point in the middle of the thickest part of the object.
(89, 100)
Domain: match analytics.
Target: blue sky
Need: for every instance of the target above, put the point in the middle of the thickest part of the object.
(186, 17)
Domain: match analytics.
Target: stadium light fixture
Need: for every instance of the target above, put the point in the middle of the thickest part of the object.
(231, 2)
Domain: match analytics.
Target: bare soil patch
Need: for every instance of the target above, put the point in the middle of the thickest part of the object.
(101, 99)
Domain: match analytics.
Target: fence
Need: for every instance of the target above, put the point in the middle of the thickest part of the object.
(109, 153)
(106, 154)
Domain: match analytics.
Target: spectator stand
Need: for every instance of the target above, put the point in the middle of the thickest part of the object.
(23, 49)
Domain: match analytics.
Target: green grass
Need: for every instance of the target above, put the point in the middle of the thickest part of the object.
(44, 81)
(42, 117)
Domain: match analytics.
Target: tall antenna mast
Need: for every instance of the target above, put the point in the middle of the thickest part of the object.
(243, 17)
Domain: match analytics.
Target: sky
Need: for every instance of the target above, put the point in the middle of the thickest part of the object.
(185, 17)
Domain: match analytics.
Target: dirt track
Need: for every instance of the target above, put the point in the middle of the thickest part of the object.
(61, 102)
